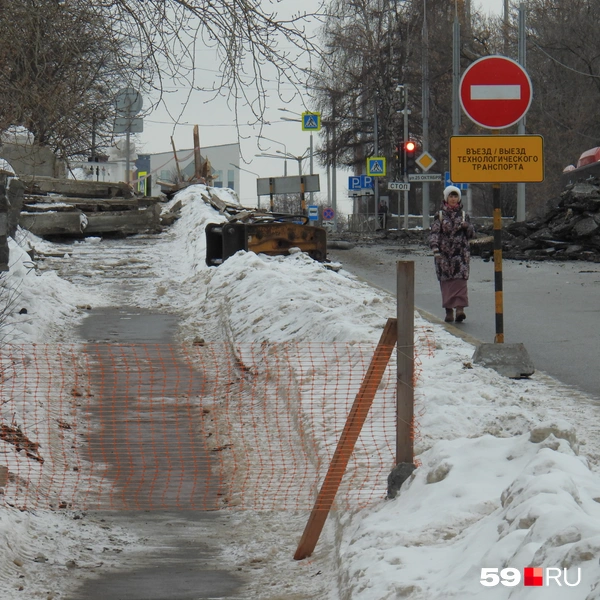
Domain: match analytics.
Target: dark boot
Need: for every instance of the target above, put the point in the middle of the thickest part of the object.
(460, 314)
(449, 315)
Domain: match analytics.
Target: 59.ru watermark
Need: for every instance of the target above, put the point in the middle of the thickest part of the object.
(532, 576)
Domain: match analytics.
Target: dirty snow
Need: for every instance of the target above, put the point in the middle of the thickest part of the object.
(508, 469)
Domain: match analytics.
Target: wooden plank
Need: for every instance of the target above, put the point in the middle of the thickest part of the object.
(197, 156)
(354, 423)
(3, 475)
(179, 177)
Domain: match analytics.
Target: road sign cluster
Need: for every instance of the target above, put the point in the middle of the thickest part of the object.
(495, 93)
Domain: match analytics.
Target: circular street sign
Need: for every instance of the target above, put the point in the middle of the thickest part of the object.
(328, 214)
(495, 92)
(129, 101)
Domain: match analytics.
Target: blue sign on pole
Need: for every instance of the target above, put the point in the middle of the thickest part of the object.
(360, 182)
(447, 181)
(376, 166)
(311, 121)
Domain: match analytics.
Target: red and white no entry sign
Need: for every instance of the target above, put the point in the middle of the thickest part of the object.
(495, 92)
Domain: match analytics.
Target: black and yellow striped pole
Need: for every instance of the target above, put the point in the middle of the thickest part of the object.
(498, 292)
(499, 300)
(271, 194)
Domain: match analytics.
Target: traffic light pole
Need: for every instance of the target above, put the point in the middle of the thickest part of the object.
(425, 111)
(404, 161)
(376, 150)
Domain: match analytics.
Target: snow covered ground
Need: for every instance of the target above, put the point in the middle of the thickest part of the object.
(508, 469)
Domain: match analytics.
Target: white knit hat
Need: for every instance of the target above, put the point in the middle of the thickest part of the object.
(451, 188)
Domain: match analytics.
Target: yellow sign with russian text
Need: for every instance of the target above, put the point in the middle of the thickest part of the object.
(497, 158)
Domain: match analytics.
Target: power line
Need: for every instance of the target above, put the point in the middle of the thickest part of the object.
(206, 125)
(562, 64)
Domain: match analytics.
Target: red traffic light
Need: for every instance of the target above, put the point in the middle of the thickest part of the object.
(410, 146)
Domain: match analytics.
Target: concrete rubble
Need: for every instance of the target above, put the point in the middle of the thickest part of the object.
(570, 229)
(69, 208)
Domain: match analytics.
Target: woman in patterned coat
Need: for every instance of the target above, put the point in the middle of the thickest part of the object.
(451, 231)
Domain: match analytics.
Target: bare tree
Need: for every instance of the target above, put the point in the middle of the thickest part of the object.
(255, 48)
(563, 62)
(61, 65)
(62, 61)
(374, 46)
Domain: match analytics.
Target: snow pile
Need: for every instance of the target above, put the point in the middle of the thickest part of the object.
(507, 469)
(36, 306)
(500, 484)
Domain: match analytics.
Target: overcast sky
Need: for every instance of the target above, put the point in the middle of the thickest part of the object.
(217, 127)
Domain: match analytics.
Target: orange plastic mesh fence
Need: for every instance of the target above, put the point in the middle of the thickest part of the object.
(116, 426)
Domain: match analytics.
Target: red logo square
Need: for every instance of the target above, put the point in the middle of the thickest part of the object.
(533, 576)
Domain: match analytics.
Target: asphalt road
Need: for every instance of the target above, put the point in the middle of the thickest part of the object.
(552, 308)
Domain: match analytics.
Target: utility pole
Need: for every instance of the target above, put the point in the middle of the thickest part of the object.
(521, 209)
(127, 145)
(312, 194)
(505, 27)
(406, 112)
(334, 165)
(456, 110)
(425, 110)
(376, 153)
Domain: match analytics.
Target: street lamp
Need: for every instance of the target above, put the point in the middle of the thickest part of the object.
(284, 148)
(251, 173)
(311, 143)
(298, 158)
(285, 156)
(328, 124)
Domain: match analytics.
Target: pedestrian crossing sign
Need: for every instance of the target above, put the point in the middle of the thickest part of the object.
(311, 121)
(376, 166)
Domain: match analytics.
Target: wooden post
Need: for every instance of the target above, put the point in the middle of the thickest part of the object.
(179, 177)
(271, 194)
(406, 361)
(347, 441)
(4, 249)
(302, 198)
(197, 157)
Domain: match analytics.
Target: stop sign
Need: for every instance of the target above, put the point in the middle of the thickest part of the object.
(495, 92)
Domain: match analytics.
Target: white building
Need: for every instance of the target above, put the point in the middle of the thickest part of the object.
(224, 160)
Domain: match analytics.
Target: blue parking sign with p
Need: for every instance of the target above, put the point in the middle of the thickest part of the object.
(360, 182)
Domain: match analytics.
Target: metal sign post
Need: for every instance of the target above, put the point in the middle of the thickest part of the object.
(495, 93)
(129, 103)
